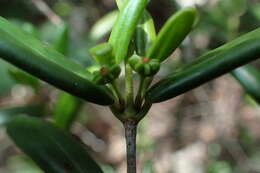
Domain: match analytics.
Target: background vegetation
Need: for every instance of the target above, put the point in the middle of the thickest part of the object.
(212, 129)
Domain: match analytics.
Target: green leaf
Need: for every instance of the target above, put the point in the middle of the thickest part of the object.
(145, 34)
(42, 61)
(120, 3)
(207, 67)
(67, 106)
(26, 26)
(62, 42)
(103, 54)
(8, 114)
(53, 150)
(103, 26)
(125, 26)
(65, 110)
(173, 33)
(249, 77)
(22, 164)
(24, 78)
(7, 82)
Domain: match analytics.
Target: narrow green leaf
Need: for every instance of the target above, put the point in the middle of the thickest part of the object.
(42, 61)
(249, 77)
(103, 26)
(65, 110)
(62, 42)
(145, 34)
(67, 106)
(7, 82)
(207, 67)
(54, 150)
(125, 26)
(24, 78)
(173, 33)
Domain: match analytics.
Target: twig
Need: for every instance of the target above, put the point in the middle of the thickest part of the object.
(47, 11)
(130, 136)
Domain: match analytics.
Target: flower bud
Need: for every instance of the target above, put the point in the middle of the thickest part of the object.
(144, 65)
(106, 74)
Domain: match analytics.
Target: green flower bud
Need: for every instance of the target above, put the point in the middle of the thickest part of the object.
(115, 71)
(106, 74)
(144, 65)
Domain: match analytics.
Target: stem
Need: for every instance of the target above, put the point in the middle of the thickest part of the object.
(130, 135)
(117, 92)
(144, 84)
(145, 109)
(139, 99)
(47, 11)
(129, 88)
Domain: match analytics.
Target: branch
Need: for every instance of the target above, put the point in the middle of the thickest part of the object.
(47, 11)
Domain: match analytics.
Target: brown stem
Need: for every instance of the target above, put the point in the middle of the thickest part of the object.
(130, 135)
(47, 11)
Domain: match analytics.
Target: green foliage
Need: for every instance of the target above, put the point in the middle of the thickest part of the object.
(173, 33)
(24, 78)
(22, 164)
(103, 54)
(53, 149)
(8, 114)
(61, 44)
(249, 77)
(207, 67)
(145, 34)
(44, 62)
(65, 110)
(133, 41)
(125, 26)
(103, 26)
(144, 66)
(106, 74)
(6, 80)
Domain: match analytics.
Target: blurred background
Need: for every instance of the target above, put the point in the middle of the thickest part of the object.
(212, 129)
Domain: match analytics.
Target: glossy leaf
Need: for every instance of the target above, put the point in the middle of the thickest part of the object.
(173, 33)
(207, 67)
(145, 34)
(18, 75)
(54, 150)
(67, 106)
(125, 26)
(104, 25)
(249, 77)
(65, 110)
(29, 54)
